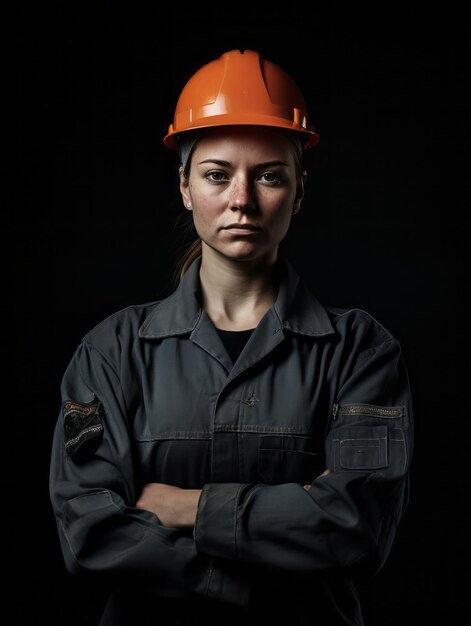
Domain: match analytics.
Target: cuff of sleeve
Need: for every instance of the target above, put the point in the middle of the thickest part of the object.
(215, 529)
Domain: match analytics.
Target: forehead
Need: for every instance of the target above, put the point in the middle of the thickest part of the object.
(251, 142)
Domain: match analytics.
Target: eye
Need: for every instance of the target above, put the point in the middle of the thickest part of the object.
(215, 176)
(271, 178)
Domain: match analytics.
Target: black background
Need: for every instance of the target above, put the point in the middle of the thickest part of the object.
(91, 224)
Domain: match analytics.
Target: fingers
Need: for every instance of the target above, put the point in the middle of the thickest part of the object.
(326, 472)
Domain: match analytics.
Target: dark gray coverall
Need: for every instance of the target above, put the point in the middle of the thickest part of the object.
(151, 395)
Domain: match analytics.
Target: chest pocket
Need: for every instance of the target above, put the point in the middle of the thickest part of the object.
(288, 458)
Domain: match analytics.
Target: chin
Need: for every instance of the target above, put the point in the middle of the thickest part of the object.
(247, 256)
(241, 251)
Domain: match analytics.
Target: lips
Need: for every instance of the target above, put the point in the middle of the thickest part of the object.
(237, 226)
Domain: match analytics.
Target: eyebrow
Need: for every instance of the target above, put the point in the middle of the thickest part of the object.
(258, 166)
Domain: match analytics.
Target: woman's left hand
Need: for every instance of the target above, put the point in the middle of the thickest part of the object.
(326, 472)
(175, 507)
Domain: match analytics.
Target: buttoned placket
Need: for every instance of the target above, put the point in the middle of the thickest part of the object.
(227, 429)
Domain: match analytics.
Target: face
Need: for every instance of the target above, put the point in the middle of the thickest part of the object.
(243, 188)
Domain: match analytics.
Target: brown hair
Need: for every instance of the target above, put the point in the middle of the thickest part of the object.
(192, 253)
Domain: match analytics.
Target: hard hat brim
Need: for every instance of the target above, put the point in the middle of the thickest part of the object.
(308, 136)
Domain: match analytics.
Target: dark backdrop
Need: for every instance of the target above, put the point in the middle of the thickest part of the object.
(91, 209)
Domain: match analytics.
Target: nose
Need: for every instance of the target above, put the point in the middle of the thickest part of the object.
(242, 197)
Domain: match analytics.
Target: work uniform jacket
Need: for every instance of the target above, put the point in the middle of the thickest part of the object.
(151, 395)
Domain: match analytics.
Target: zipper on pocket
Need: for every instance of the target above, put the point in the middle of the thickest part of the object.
(388, 412)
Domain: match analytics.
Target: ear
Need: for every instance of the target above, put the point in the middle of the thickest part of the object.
(184, 188)
(299, 193)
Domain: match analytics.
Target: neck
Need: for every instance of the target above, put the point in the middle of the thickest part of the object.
(236, 294)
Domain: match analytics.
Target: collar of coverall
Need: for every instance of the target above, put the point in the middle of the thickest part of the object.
(295, 309)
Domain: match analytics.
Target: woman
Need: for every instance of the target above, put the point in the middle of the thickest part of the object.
(234, 451)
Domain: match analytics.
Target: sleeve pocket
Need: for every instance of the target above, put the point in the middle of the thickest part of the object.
(361, 448)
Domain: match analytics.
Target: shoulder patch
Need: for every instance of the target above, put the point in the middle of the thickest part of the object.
(83, 427)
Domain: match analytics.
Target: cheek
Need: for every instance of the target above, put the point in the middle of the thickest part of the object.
(205, 215)
(280, 212)
(282, 226)
(205, 205)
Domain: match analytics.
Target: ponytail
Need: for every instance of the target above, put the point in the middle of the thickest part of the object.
(193, 252)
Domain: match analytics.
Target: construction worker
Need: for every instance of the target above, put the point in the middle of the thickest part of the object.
(236, 452)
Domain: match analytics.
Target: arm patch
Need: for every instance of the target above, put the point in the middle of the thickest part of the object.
(83, 427)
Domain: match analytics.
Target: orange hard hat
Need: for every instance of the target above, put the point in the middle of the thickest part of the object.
(241, 88)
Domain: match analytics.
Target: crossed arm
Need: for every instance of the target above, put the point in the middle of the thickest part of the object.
(175, 507)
